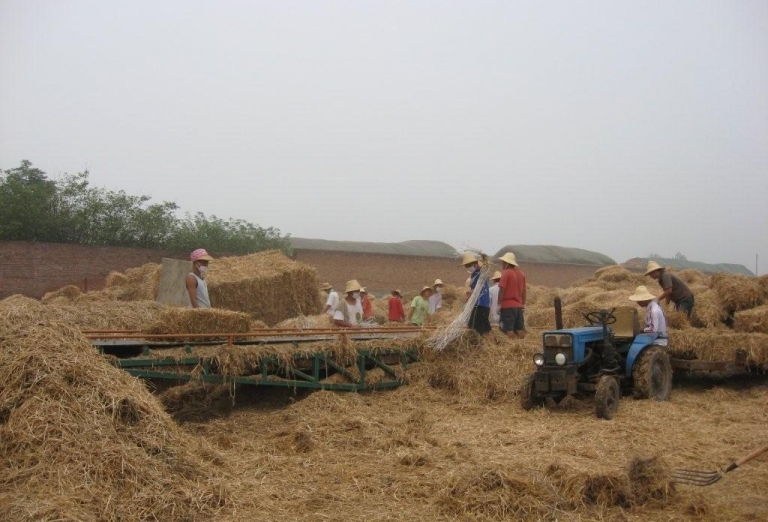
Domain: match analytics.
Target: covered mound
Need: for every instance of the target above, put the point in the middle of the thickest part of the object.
(200, 320)
(267, 285)
(82, 440)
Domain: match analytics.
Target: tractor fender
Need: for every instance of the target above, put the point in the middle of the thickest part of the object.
(641, 342)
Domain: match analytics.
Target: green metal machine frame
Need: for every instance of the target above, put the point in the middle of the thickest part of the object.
(143, 358)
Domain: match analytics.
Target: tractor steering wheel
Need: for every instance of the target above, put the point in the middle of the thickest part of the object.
(597, 317)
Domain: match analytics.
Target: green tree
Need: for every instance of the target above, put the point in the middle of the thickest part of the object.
(27, 203)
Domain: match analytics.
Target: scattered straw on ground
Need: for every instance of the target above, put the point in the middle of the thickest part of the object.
(82, 440)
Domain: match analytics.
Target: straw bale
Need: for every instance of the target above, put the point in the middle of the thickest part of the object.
(719, 345)
(708, 310)
(737, 292)
(115, 279)
(763, 282)
(142, 283)
(267, 285)
(258, 325)
(677, 319)
(754, 320)
(691, 276)
(200, 320)
(618, 274)
(307, 322)
(82, 440)
(69, 293)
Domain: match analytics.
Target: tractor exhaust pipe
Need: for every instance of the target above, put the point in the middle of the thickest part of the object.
(558, 314)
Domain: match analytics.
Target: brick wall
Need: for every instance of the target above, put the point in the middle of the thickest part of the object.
(381, 272)
(33, 269)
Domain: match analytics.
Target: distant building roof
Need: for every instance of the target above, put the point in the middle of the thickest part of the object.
(638, 263)
(404, 248)
(556, 254)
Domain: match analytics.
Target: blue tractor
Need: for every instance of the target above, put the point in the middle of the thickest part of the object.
(609, 356)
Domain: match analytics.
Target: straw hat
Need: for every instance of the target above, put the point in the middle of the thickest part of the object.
(426, 288)
(437, 282)
(509, 257)
(496, 275)
(200, 255)
(398, 292)
(352, 286)
(326, 286)
(363, 290)
(468, 258)
(652, 267)
(642, 294)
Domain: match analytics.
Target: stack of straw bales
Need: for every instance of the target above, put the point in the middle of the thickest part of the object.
(82, 440)
(267, 285)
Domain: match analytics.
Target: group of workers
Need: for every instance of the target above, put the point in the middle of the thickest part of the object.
(503, 303)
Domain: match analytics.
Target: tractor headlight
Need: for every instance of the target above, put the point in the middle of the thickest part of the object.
(538, 359)
(560, 358)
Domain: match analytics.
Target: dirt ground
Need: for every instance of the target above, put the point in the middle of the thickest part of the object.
(429, 452)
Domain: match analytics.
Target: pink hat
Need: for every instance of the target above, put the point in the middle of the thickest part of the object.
(200, 255)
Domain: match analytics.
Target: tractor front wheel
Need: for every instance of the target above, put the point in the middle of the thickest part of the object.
(607, 397)
(652, 375)
(528, 398)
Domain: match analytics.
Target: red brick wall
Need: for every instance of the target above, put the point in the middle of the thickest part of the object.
(33, 269)
(381, 272)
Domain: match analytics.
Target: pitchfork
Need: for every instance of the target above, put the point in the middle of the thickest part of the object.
(705, 478)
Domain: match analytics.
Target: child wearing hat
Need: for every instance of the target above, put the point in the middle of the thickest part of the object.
(396, 311)
(655, 322)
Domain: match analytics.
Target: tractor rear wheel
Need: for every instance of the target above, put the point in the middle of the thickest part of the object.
(528, 398)
(652, 375)
(607, 397)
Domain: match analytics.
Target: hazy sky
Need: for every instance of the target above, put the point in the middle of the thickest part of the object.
(621, 127)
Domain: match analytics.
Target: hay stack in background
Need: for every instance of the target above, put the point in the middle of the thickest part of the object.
(115, 279)
(68, 293)
(618, 274)
(692, 276)
(306, 322)
(82, 440)
(754, 320)
(737, 292)
(267, 285)
(200, 320)
(719, 345)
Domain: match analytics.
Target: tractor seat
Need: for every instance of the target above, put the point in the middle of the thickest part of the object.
(627, 325)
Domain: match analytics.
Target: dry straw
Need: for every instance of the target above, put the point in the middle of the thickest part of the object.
(200, 320)
(267, 285)
(754, 320)
(82, 440)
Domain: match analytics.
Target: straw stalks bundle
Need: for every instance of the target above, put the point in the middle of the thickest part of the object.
(719, 345)
(200, 320)
(85, 314)
(754, 320)
(708, 311)
(82, 440)
(115, 279)
(142, 283)
(267, 285)
(677, 319)
(69, 293)
(691, 276)
(618, 274)
(737, 292)
(307, 322)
